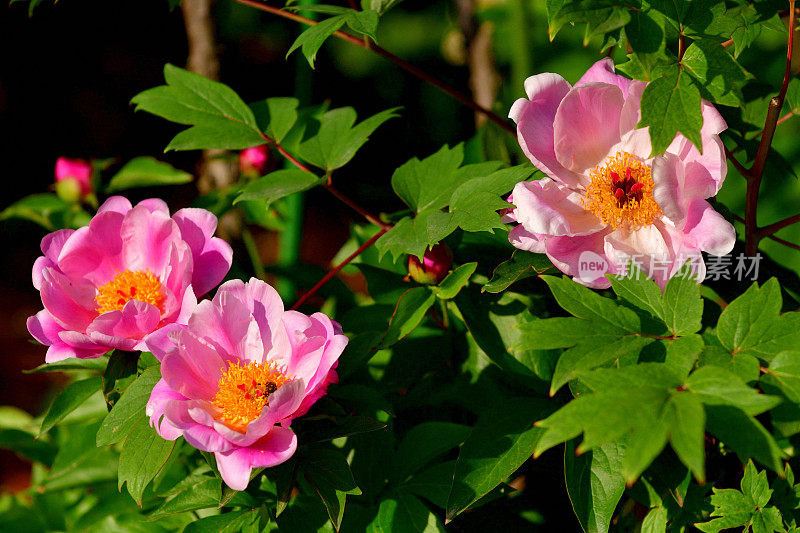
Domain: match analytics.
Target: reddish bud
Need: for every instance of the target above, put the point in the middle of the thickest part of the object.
(255, 162)
(434, 265)
(73, 179)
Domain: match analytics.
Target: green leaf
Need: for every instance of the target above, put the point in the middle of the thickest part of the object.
(716, 386)
(454, 282)
(413, 184)
(671, 104)
(744, 434)
(408, 313)
(784, 373)
(680, 307)
(501, 441)
(279, 184)
(415, 235)
(655, 521)
(562, 332)
(200, 495)
(475, 204)
(27, 445)
(73, 363)
(688, 433)
(593, 354)
(521, 265)
(719, 77)
(230, 522)
(129, 408)
(329, 473)
(45, 209)
(68, 400)
(584, 303)
(146, 172)
(339, 137)
(219, 118)
(143, 455)
(312, 39)
(594, 484)
(120, 372)
(752, 323)
(404, 513)
(276, 116)
(425, 442)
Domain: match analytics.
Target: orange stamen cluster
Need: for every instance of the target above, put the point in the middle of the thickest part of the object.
(128, 285)
(243, 392)
(621, 192)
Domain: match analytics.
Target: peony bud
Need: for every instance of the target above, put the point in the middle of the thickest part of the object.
(434, 266)
(254, 162)
(73, 179)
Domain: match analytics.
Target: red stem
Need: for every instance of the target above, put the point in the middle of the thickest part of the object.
(402, 63)
(338, 267)
(752, 234)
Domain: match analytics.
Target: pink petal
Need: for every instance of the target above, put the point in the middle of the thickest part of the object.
(523, 239)
(125, 328)
(535, 117)
(194, 369)
(117, 204)
(160, 396)
(668, 178)
(603, 72)
(631, 110)
(566, 253)
(548, 208)
(70, 302)
(201, 436)
(147, 239)
(708, 229)
(162, 341)
(155, 205)
(586, 125)
(236, 465)
(212, 256)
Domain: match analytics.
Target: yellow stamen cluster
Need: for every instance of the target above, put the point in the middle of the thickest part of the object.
(127, 285)
(621, 192)
(243, 392)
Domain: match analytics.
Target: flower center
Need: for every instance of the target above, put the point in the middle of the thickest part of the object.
(243, 392)
(621, 192)
(127, 285)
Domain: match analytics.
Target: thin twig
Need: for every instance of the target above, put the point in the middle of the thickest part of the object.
(740, 167)
(781, 120)
(338, 267)
(772, 228)
(402, 63)
(772, 237)
(751, 231)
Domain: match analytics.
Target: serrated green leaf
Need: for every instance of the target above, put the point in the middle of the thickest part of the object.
(68, 400)
(413, 184)
(276, 116)
(415, 235)
(584, 303)
(717, 74)
(409, 312)
(671, 105)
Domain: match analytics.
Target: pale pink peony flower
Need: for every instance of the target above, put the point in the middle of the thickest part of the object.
(131, 271)
(254, 161)
(236, 376)
(605, 201)
(74, 177)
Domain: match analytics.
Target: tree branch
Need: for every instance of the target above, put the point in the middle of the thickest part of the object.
(402, 63)
(338, 267)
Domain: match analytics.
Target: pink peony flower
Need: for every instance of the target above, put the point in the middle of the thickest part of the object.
(605, 201)
(73, 178)
(436, 262)
(254, 161)
(131, 271)
(236, 376)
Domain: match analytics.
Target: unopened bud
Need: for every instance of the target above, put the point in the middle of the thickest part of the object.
(254, 162)
(434, 266)
(73, 179)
